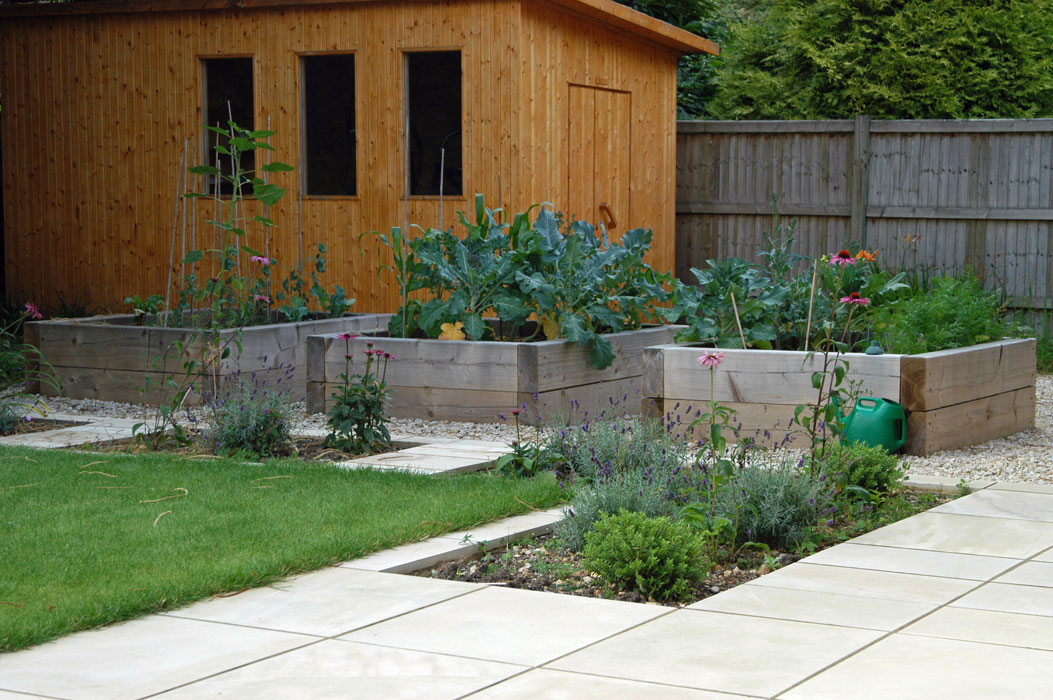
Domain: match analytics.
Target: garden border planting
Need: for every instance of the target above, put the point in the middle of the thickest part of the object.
(110, 357)
(477, 380)
(953, 398)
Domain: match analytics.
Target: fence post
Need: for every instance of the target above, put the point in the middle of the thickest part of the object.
(860, 179)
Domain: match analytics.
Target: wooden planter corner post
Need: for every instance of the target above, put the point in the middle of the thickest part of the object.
(953, 398)
(477, 380)
(966, 396)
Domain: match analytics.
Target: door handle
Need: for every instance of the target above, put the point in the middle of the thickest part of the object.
(609, 221)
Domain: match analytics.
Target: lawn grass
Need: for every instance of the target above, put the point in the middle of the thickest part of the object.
(89, 539)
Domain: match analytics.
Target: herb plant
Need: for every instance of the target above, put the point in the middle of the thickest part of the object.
(247, 416)
(658, 557)
(957, 312)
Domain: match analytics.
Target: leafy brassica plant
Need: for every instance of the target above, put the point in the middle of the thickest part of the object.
(579, 284)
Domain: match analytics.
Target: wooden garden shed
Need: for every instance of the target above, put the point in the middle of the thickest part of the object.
(374, 102)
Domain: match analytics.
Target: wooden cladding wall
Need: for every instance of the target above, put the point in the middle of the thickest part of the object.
(939, 194)
(93, 140)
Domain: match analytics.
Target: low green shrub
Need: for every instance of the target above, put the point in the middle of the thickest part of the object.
(859, 464)
(248, 417)
(777, 504)
(956, 313)
(659, 557)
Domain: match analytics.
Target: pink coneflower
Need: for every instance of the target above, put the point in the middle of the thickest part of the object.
(261, 298)
(855, 298)
(33, 312)
(516, 411)
(347, 336)
(262, 260)
(711, 359)
(843, 258)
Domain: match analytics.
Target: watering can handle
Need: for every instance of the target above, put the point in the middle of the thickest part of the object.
(867, 400)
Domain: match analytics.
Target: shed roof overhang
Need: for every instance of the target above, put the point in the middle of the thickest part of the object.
(604, 11)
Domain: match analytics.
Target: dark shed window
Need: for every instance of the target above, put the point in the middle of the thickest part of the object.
(329, 124)
(228, 97)
(434, 96)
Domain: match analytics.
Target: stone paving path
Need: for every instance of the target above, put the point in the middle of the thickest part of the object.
(954, 603)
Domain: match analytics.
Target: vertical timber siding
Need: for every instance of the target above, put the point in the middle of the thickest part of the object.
(92, 143)
(940, 194)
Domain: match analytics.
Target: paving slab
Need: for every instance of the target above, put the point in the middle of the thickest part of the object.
(87, 433)
(911, 588)
(1031, 573)
(418, 463)
(943, 484)
(338, 670)
(502, 532)
(459, 545)
(965, 534)
(1028, 488)
(138, 658)
(718, 652)
(326, 603)
(913, 561)
(813, 606)
(442, 450)
(547, 684)
(988, 626)
(414, 556)
(905, 666)
(1006, 597)
(509, 625)
(1018, 505)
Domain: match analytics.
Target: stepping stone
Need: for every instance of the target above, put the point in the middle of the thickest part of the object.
(455, 457)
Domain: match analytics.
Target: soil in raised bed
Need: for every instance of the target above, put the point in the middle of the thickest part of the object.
(542, 564)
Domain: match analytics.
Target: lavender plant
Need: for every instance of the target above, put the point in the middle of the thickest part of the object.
(249, 416)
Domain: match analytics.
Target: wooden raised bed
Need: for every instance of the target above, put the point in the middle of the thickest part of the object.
(109, 357)
(476, 380)
(953, 398)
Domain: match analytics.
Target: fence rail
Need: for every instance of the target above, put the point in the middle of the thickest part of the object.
(936, 193)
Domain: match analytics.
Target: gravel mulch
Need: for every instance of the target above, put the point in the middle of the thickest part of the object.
(1024, 457)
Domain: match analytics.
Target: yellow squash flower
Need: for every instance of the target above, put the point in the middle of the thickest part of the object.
(452, 331)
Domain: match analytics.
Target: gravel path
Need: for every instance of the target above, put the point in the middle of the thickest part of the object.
(1024, 457)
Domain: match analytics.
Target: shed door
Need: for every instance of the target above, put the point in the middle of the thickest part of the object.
(598, 156)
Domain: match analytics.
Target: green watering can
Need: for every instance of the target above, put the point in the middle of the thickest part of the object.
(877, 422)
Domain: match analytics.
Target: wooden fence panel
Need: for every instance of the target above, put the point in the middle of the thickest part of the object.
(937, 194)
